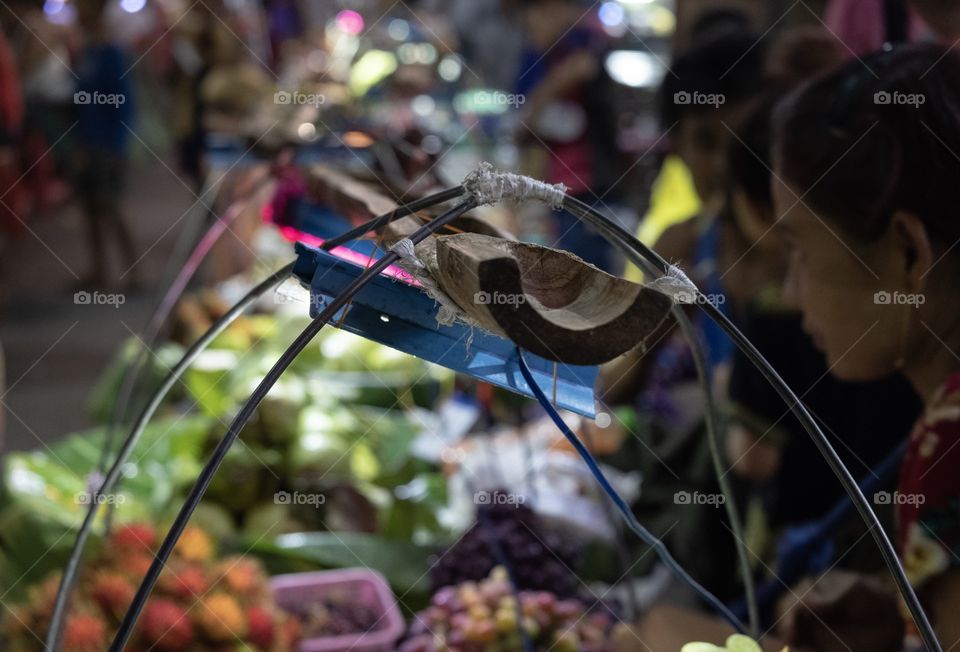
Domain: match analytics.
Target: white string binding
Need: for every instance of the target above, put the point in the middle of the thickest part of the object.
(449, 313)
(676, 285)
(487, 185)
(408, 253)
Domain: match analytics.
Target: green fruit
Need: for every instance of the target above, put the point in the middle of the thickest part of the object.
(741, 643)
(701, 647)
(505, 620)
(567, 641)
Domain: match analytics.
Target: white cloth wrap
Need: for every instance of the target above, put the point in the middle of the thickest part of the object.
(488, 185)
(676, 285)
(449, 313)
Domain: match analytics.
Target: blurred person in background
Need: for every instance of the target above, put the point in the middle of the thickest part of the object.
(766, 446)
(104, 105)
(201, 42)
(715, 85)
(567, 116)
(480, 23)
(872, 267)
(787, 483)
(284, 23)
(673, 198)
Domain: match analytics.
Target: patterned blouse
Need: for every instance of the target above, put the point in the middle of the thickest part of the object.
(928, 498)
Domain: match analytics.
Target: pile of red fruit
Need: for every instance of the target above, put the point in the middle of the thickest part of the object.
(200, 603)
(486, 616)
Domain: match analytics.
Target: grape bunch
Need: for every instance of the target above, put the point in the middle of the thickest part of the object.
(337, 615)
(486, 617)
(538, 559)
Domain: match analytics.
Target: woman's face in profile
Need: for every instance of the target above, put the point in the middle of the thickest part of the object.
(844, 288)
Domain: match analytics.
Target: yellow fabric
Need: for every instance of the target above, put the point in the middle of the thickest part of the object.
(673, 199)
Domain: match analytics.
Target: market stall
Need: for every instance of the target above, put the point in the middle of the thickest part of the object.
(367, 411)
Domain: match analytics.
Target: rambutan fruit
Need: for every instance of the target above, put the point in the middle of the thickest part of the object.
(165, 626)
(221, 618)
(84, 633)
(262, 632)
(113, 593)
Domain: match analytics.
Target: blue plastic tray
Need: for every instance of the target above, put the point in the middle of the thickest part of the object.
(402, 317)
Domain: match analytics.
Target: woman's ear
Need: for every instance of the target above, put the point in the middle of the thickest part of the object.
(911, 238)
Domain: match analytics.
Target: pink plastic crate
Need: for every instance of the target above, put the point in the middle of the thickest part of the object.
(293, 591)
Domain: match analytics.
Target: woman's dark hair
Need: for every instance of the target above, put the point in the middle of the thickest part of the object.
(876, 136)
(728, 65)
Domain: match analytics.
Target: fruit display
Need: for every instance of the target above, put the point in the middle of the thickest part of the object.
(44, 494)
(200, 602)
(489, 615)
(336, 425)
(539, 559)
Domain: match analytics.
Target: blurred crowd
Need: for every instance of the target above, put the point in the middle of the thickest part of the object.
(801, 175)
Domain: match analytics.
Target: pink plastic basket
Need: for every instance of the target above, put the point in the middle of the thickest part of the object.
(293, 591)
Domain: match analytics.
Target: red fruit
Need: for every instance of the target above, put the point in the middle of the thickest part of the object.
(137, 537)
(165, 626)
(184, 582)
(113, 592)
(135, 566)
(84, 633)
(242, 575)
(261, 631)
(222, 619)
